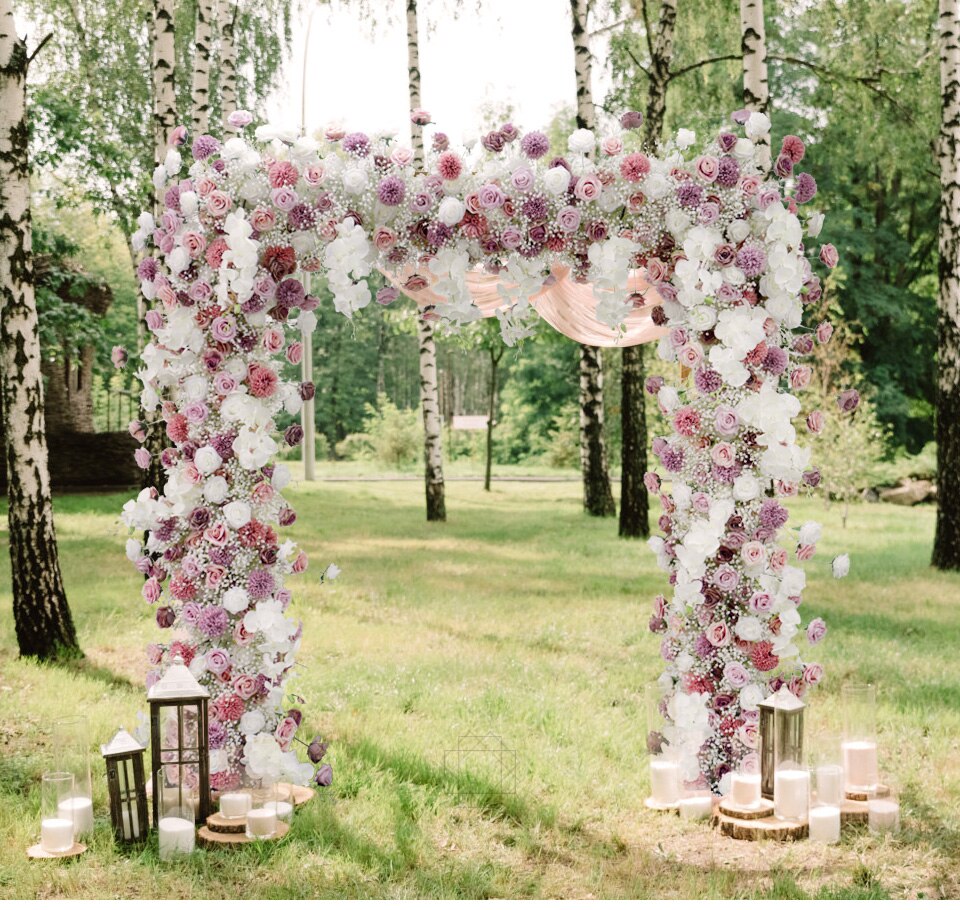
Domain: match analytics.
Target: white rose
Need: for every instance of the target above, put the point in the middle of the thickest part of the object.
(841, 565)
(252, 722)
(757, 125)
(207, 460)
(582, 141)
(750, 697)
(306, 322)
(685, 138)
(215, 489)
(195, 387)
(178, 260)
(218, 760)
(556, 180)
(281, 476)
(738, 230)
(332, 571)
(815, 224)
(236, 513)
(263, 756)
(159, 176)
(354, 181)
(809, 533)
(172, 162)
(236, 368)
(748, 628)
(703, 318)
(189, 202)
(668, 398)
(656, 185)
(746, 488)
(743, 149)
(451, 211)
(684, 662)
(235, 600)
(146, 222)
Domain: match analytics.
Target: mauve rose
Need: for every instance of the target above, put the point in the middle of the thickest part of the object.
(490, 196)
(293, 435)
(812, 477)
(224, 383)
(707, 167)
(718, 634)
(245, 686)
(324, 776)
(761, 603)
(165, 617)
(384, 239)
(737, 675)
(800, 377)
(218, 661)
(708, 213)
(522, 179)
(151, 590)
(824, 332)
(815, 421)
(816, 629)
(596, 231)
(286, 731)
(588, 188)
(726, 420)
(829, 255)
(848, 401)
(216, 534)
(812, 674)
(287, 517)
(726, 578)
(725, 254)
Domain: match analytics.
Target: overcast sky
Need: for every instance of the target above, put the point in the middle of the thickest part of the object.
(514, 51)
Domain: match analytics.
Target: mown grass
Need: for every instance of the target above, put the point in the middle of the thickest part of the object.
(520, 619)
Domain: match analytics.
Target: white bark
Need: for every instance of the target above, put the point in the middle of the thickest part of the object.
(200, 96)
(164, 89)
(41, 614)
(753, 46)
(227, 15)
(429, 400)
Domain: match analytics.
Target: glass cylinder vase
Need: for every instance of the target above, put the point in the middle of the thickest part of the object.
(56, 825)
(664, 763)
(176, 816)
(859, 747)
(73, 741)
(262, 816)
(791, 777)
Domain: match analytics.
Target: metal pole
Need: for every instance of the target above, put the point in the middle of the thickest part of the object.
(308, 418)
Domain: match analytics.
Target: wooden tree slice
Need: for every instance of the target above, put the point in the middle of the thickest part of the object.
(858, 796)
(222, 825)
(219, 839)
(769, 828)
(656, 807)
(764, 810)
(302, 795)
(853, 812)
(37, 852)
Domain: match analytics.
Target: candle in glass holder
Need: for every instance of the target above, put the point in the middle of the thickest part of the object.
(664, 781)
(884, 815)
(745, 790)
(860, 765)
(56, 835)
(177, 835)
(696, 807)
(283, 809)
(235, 805)
(824, 822)
(791, 794)
(829, 784)
(131, 824)
(262, 822)
(79, 810)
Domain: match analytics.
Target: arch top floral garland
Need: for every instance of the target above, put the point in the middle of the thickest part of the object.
(720, 243)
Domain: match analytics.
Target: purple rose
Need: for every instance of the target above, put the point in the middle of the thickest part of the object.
(848, 401)
(816, 629)
(324, 776)
(293, 435)
(316, 750)
(631, 120)
(165, 617)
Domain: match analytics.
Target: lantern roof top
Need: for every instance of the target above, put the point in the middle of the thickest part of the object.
(121, 744)
(178, 682)
(783, 700)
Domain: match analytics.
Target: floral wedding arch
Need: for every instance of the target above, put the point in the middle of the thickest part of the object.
(699, 248)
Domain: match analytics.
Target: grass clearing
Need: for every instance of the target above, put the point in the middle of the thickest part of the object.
(521, 619)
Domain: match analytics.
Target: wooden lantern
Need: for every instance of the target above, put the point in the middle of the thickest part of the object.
(781, 730)
(178, 740)
(127, 788)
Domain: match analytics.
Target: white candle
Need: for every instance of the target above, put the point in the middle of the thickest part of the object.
(283, 809)
(860, 765)
(262, 822)
(745, 790)
(824, 824)
(79, 809)
(177, 835)
(235, 805)
(131, 823)
(791, 794)
(56, 835)
(830, 785)
(694, 807)
(665, 782)
(884, 815)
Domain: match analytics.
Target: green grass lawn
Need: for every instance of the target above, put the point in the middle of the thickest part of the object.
(520, 618)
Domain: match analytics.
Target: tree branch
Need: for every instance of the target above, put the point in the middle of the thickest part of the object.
(646, 28)
(637, 63)
(39, 48)
(700, 63)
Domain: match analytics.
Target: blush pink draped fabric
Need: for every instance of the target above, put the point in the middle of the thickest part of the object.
(566, 305)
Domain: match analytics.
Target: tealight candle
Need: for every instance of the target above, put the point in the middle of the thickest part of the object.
(884, 815)
(56, 835)
(745, 790)
(860, 765)
(235, 805)
(177, 835)
(695, 807)
(665, 782)
(283, 809)
(824, 824)
(791, 794)
(79, 810)
(262, 822)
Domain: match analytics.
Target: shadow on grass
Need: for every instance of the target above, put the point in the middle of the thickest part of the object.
(84, 666)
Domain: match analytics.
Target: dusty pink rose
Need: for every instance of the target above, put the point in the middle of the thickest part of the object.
(401, 156)
(824, 332)
(193, 243)
(218, 203)
(217, 533)
(815, 422)
(726, 421)
(384, 239)
(151, 590)
(753, 553)
(142, 457)
(718, 634)
(707, 167)
(800, 377)
(761, 602)
(295, 352)
(314, 174)
(726, 578)
(816, 629)
(749, 734)
(812, 674)
(245, 686)
(701, 502)
(568, 219)
(286, 730)
(300, 563)
(522, 179)
(588, 188)
(284, 198)
(224, 383)
(215, 576)
(273, 339)
(723, 454)
(611, 145)
(778, 559)
(829, 255)
(737, 675)
(806, 551)
(262, 219)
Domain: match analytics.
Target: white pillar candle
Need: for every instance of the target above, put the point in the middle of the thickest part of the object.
(791, 794)
(860, 765)
(664, 782)
(56, 835)
(79, 809)
(130, 820)
(262, 822)
(745, 790)
(694, 807)
(283, 809)
(824, 824)
(177, 835)
(884, 815)
(235, 805)
(830, 784)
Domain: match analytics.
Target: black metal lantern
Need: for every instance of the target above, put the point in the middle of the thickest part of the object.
(781, 732)
(178, 740)
(127, 788)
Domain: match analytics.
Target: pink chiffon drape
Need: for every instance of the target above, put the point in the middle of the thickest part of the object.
(567, 305)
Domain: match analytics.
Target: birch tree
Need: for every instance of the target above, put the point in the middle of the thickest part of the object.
(227, 15)
(44, 626)
(597, 493)
(203, 37)
(753, 47)
(429, 399)
(946, 546)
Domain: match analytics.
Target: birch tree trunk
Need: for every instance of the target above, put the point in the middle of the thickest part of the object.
(753, 47)
(597, 493)
(41, 613)
(946, 545)
(200, 96)
(429, 401)
(227, 12)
